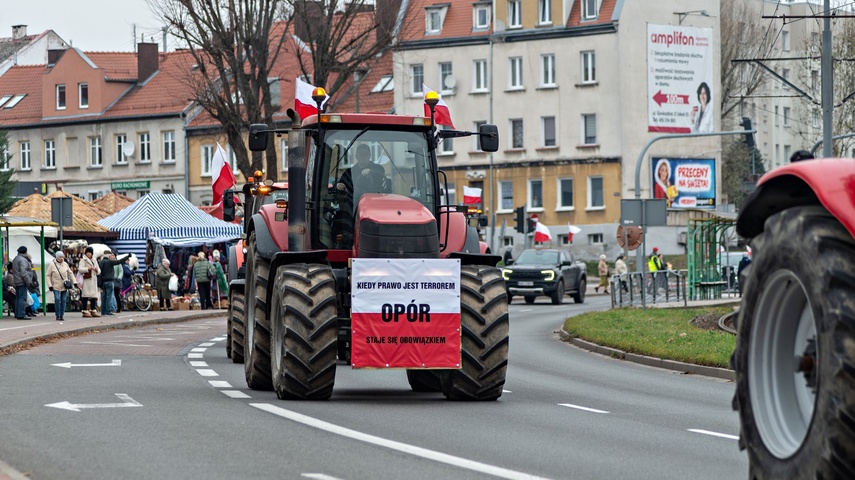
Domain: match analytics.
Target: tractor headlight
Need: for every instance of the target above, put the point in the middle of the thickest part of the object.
(548, 275)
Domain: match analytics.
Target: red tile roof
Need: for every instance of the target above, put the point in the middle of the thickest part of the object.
(22, 79)
(607, 9)
(457, 23)
(165, 93)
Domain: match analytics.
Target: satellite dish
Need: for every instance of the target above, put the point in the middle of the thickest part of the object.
(128, 149)
(450, 82)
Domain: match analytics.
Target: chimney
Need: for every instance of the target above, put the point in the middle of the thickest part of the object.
(53, 56)
(147, 60)
(19, 32)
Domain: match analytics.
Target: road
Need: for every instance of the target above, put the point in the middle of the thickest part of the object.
(165, 402)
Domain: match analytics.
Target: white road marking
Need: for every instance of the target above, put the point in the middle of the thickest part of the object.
(393, 445)
(195, 355)
(235, 394)
(75, 407)
(206, 344)
(207, 372)
(117, 344)
(526, 310)
(507, 391)
(218, 339)
(198, 364)
(714, 434)
(319, 476)
(220, 384)
(198, 349)
(114, 363)
(577, 407)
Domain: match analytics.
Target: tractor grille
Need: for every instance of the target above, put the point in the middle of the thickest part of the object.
(378, 240)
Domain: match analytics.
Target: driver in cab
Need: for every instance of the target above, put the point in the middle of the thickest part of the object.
(363, 176)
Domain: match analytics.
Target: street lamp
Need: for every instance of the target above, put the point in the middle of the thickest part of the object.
(682, 15)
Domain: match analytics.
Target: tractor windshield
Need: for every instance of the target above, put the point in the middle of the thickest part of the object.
(369, 160)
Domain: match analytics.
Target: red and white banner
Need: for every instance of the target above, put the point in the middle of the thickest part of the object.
(471, 195)
(572, 230)
(222, 176)
(541, 233)
(405, 313)
(441, 113)
(304, 105)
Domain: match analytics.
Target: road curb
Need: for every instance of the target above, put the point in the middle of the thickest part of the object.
(714, 372)
(15, 345)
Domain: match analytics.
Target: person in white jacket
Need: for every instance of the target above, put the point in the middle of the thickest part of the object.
(58, 272)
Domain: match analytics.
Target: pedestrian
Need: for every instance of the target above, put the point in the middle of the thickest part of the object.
(603, 270)
(59, 280)
(222, 283)
(654, 265)
(89, 269)
(162, 276)
(743, 264)
(204, 271)
(9, 287)
(106, 264)
(23, 279)
(118, 277)
(620, 270)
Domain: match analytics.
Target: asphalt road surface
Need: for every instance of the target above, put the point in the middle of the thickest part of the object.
(165, 402)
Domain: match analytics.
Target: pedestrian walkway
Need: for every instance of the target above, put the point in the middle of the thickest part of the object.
(18, 334)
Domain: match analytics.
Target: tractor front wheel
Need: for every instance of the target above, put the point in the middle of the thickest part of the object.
(236, 324)
(256, 348)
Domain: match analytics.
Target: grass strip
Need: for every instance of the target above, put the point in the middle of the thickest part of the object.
(659, 332)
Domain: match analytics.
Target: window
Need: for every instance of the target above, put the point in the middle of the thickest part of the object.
(514, 14)
(787, 117)
(535, 194)
(777, 116)
(589, 67)
(4, 159)
(120, 149)
(168, 146)
(26, 163)
(516, 127)
(785, 41)
(83, 94)
(232, 158)
(477, 138)
(786, 74)
(385, 84)
(565, 193)
(449, 197)
(145, 147)
(787, 149)
(589, 9)
(417, 73)
(142, 193)
(60, 97)
(481, 15)
(506, 193)
(544, 11)
(814, 80)
(4, 99)
(433, 21)
(777, 154)
(446, 78)
(94, 196)
(589, 129)
(516, 73)
(595, 239)
(548, 131)
(595, 192)
(50, 154)
(283, 147)
(447, 145)
(547, 71)
(814, 117)
(95, 159)
(15, 100)
(479, 77)
(207, 159)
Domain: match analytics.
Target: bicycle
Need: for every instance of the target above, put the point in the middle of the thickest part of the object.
(137, 295)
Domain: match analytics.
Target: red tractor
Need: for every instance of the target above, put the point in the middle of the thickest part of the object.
(795, 351)
(366, 188)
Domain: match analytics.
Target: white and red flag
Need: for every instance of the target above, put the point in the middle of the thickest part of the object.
(572, 230)
(541, 233)
(471, 195)
(441, 114)
(304, 105)
(222, 176)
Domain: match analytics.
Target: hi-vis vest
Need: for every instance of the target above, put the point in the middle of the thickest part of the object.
(652, 263)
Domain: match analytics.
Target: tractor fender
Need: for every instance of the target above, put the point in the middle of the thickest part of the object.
(266, 244)
(473, 241)
(826, 182)
(453, 231)
(476, 258)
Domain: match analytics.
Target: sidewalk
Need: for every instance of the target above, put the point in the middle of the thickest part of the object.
(17, 334)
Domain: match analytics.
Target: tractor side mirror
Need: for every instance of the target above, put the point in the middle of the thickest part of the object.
(258, 137)
(488, 136)
(228, 205)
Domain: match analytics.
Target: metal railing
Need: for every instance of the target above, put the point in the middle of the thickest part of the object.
(637, 288)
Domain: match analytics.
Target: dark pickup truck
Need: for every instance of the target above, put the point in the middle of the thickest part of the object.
(553, 273)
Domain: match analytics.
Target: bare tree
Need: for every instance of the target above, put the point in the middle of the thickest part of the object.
(234, 48)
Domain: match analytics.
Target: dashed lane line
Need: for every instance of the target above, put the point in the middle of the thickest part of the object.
(579, 407)
(714, 434)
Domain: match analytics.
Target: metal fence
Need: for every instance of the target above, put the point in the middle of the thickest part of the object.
(645, 288)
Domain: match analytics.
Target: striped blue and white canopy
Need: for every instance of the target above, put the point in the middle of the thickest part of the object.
(171, 220)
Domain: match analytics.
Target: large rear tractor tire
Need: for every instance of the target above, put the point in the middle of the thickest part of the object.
(236, 325)
(256, 347)
(424, 381)
(794, 358)
(484, 326)
(305, 332)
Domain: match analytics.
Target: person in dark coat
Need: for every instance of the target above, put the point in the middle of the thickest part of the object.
(744, 262)
(108, 261)
(24, 278)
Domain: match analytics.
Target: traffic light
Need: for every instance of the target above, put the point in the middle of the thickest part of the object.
(749, 136)
(532, 224)
(519, 218)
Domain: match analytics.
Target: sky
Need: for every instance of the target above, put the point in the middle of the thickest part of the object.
(90, 25)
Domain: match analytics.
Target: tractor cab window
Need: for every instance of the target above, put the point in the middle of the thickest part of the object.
(369, 161)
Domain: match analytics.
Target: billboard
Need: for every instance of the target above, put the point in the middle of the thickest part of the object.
(680, 96)
(684, 182)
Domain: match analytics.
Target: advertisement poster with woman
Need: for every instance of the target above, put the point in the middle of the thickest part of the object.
(684, 182)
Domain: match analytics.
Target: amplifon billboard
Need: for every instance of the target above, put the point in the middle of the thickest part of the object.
(680, 96)
(684, 182)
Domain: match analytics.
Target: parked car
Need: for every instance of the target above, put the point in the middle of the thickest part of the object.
(551, 273)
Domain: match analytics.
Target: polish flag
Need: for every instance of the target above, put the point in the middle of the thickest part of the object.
(572, 230)
(304, 105)
(441, 114)
(541, 233)
(471, 195)
(223, 178)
